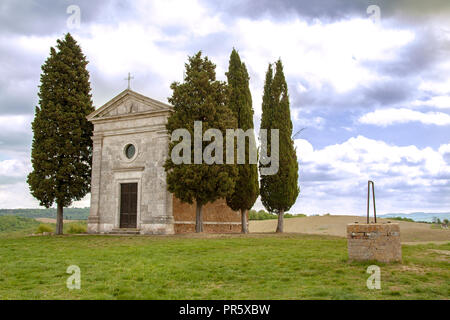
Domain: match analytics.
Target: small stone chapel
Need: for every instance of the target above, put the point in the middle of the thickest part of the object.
(128, 188)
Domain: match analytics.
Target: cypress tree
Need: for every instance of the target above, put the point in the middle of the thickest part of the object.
(62, 147)
(280, 191)
(240, 102)
(200, 98)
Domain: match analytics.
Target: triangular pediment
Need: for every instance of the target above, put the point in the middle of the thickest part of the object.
(128, 103)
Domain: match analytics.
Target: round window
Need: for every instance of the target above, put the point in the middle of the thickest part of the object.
(130, 151)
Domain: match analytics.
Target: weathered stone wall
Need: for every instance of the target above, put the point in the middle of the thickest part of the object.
(217, 217)
(208, 228)
(111, 168)
(378, 242)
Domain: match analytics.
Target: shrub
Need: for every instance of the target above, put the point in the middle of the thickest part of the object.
(298, 215)
(436, 220)
(402, 219)
(45, 228)
(263, 215)
(76, 228)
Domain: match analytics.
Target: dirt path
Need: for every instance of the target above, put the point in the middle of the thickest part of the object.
(336, 226)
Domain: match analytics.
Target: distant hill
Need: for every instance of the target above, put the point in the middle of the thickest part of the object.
(16, 223)
(69, 213)
(419, 216)
(83, 214)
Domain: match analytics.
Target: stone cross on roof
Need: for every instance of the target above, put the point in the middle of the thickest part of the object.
(129, 80)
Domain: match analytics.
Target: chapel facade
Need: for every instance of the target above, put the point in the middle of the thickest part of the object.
(128, 186)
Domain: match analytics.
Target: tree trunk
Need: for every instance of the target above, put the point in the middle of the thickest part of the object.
(59, 220)
(280, 222)
(244, 221)
(199, 218)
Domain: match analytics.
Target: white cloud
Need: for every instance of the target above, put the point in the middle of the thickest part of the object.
(302, 119)
(16, 124)
(114, 51)
(187, 15)
(444, 149)
(334, 179)
(14, 168)
(312, 50)
(16, 195)
(439, 102)
(439, 88)
(83, 203)
(15, 192)
(386, 117)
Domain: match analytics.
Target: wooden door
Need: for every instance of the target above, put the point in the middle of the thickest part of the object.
(128, 205)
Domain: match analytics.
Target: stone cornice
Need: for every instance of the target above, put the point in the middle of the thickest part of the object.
(132, 116)
(160, 130)
(157, 105)
(128, 169)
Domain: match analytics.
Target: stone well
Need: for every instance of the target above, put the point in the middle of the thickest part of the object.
(376, 241)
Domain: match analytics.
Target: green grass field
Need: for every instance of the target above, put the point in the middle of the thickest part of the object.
(212, 267)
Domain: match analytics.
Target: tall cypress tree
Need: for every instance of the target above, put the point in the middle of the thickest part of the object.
(62, 147)
(199, 98)
(280, 191)
(240, 102)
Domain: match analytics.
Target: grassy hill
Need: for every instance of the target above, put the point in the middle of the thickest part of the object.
(14, 223)
(16, 227)
(69, 213)
(337, 226)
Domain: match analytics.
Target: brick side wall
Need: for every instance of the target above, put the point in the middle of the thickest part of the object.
(380, 242)
(208, 228)
(217, 217)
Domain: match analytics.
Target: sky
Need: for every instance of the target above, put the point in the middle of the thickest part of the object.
(368, 80)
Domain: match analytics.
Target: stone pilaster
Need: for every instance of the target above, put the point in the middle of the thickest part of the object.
(94, 217)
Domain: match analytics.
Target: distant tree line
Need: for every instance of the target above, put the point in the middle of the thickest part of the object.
(439, 221)
(402, 219)
(69, 213)
(264, 215)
